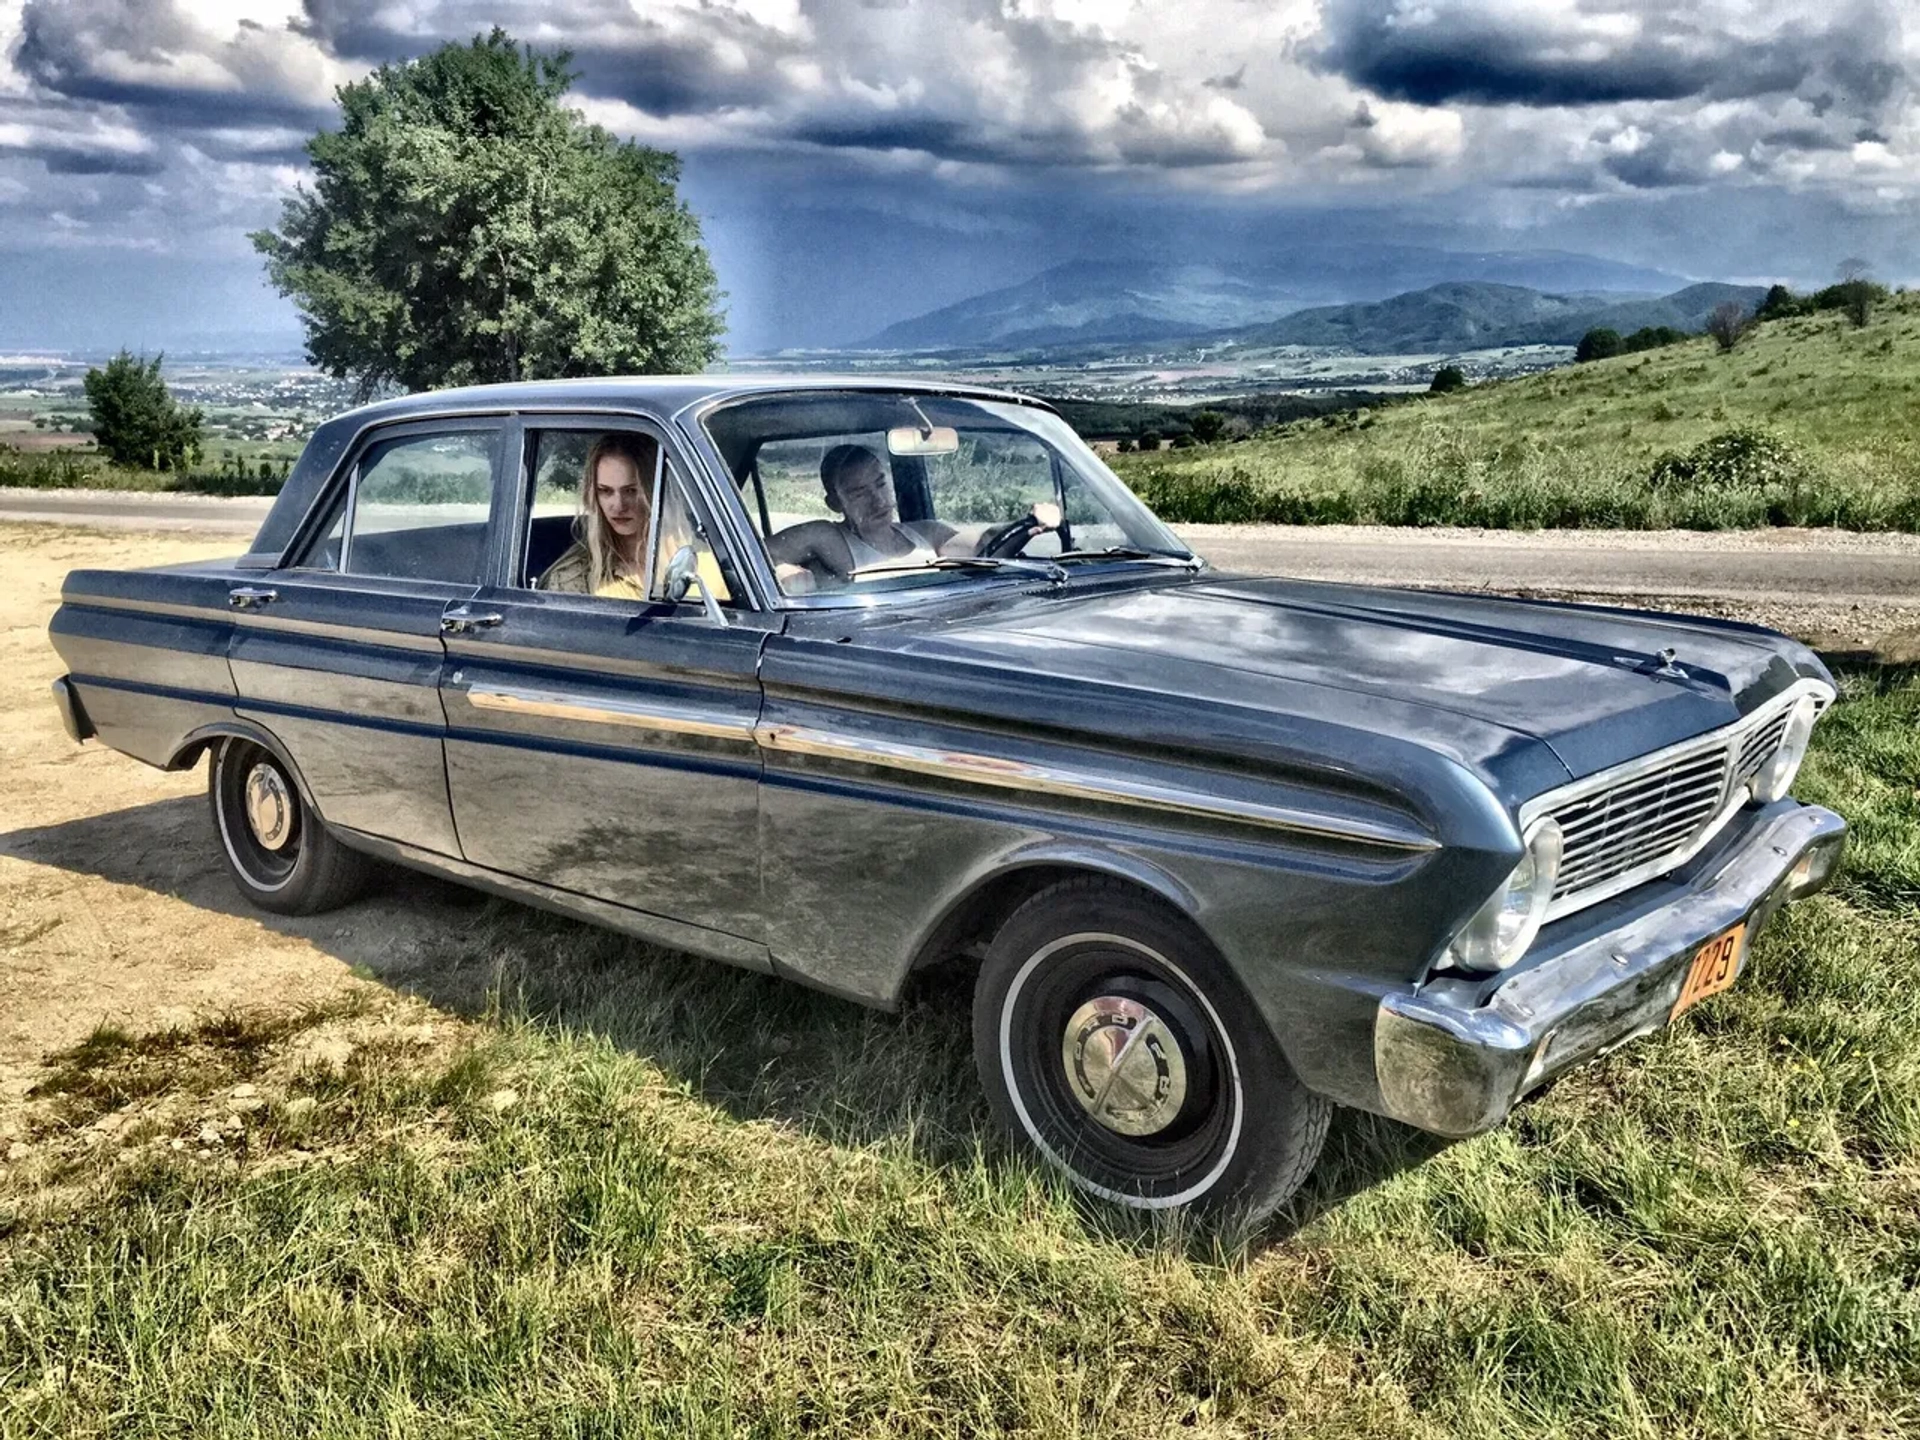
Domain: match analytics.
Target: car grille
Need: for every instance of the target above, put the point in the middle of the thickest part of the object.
(1654, 817)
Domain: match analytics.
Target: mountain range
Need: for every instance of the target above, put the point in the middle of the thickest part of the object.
(1479, 317)
(1087, 302)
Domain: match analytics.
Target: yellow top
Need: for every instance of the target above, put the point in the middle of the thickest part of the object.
(622, 587)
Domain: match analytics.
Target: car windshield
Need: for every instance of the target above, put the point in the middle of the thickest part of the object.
(858, 492)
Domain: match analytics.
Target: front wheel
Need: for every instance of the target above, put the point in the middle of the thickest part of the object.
(1112, 1038)
(278, 852)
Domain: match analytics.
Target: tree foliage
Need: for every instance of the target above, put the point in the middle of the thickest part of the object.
(1447, 378)
(136, 420)
(464, 226)
(1600, 343)
(1208, 425)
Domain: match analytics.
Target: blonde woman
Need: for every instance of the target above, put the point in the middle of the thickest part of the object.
(608, 556)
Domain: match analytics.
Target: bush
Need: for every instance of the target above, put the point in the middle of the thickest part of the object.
(1743, 458)
(1727, 323)
(1208, 425)
(1150, 440)
(1653, 337)
(1602, 343)
(1447, 379)
(1856, 297)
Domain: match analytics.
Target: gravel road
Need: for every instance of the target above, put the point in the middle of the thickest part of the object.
(1846, 588)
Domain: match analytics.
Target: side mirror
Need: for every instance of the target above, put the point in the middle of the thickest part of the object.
(683, 574)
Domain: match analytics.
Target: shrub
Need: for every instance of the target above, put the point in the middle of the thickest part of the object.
(1742, 458)
(1208, 425)
(1653, 337)
(1447, 379)
(1150, 440)
(1728, 323)
(1601, 343)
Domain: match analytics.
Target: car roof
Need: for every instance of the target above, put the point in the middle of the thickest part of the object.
(660, 394)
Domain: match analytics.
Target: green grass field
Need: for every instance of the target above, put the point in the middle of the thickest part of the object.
(640, 1194)
(1808, 421)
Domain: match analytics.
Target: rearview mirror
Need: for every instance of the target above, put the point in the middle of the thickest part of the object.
(683, 574)
(922, 440)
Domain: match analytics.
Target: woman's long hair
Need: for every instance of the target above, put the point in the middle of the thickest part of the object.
(591, 526)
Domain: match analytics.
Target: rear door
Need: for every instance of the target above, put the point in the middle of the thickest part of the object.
(340, 655)
(605, 746)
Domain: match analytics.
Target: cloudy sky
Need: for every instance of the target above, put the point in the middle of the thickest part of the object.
(858, 161)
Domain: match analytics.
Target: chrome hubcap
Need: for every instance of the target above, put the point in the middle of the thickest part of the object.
(1124, 1065)
(269, 806)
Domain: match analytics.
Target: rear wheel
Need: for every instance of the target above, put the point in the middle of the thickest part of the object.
(278, 852)
(1112, 1038)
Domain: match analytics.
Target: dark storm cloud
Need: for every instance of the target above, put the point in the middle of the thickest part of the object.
(1433, 54)
(72, 160)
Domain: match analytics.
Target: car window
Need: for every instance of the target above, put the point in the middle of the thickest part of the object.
(419, 508)
(580, 529)
(927, 489)
(993, 476)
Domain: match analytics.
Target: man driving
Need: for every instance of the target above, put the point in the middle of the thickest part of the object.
(868, 533)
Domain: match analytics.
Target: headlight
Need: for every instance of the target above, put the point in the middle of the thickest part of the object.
(1503, 928)
(1775, 778)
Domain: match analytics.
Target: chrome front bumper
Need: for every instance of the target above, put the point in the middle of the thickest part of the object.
(1457, 1068)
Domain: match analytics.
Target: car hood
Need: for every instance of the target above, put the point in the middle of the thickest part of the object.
(1590, 683)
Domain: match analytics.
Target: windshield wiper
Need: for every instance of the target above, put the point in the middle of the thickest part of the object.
(1046, 569)
(1131, 552)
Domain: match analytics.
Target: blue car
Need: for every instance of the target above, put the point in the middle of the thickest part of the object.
(842, 679)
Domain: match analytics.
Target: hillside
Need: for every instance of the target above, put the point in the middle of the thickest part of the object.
(1807, 421)
(1126, 301)
(1478, 316)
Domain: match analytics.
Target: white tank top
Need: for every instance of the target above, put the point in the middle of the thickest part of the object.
(865, 554)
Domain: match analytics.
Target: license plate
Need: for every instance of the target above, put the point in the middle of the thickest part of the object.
(1715, 964)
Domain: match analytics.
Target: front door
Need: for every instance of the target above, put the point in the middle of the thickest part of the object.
(601, 745)
(340, 655)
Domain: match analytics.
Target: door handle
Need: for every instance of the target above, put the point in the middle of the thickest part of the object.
(464, 621)
(251, 597)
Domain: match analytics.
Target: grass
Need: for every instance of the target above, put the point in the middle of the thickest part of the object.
(72, 470)
(1820, 411)
(640, 1194)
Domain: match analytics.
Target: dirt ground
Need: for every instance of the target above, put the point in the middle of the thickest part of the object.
(115, 908)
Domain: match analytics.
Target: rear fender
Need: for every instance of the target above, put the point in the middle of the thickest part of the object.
(203, 740)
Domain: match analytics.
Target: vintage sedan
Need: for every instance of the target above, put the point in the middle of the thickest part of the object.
(842, 679)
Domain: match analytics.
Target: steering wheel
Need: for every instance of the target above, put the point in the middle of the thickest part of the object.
(1011, 539)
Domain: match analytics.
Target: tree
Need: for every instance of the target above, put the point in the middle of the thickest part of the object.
(464, 226)
(1601, 343)
(1780, 302)
(1446, 379)
(136, 420)
(1149, 439)
(1207, 425)
(1727, 323)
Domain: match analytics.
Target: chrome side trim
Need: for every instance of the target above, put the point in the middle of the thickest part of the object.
(255, 620)
(556, 705)
(1732, 799)
(1072, 784)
